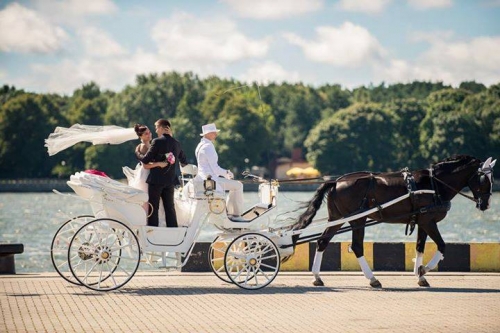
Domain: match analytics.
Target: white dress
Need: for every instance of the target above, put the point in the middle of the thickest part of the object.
(137, 179)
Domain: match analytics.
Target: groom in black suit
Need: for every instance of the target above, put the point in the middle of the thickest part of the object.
(162, 181)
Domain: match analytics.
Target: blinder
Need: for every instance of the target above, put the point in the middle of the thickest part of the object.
(481, 185)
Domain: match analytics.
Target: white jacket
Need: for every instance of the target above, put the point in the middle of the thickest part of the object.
(207, 160)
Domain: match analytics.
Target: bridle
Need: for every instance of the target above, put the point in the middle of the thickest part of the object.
(479, 173)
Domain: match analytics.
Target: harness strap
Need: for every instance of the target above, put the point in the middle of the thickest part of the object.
(371, 189)
(412, 187)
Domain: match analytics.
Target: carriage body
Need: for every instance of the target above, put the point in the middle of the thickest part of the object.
(119, 215)
(241, 252)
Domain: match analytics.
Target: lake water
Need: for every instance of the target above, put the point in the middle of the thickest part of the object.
(33, 218)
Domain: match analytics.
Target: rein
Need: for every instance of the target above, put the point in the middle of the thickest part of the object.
(297, 181)
(454, 190)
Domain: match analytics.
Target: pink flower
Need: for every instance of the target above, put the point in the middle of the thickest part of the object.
(170, 158)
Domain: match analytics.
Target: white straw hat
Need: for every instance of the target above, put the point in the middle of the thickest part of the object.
(208, 128)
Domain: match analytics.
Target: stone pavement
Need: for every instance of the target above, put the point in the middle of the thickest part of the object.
(200, 302)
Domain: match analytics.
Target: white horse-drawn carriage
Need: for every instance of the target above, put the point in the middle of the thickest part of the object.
(103, 251)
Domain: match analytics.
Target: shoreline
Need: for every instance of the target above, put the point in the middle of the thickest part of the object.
(49, 184)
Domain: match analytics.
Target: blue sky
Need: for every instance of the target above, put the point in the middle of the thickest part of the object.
(58, 45)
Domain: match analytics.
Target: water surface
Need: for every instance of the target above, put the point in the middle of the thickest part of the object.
(33, 218)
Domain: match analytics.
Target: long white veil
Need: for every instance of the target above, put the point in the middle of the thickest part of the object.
(63, 137)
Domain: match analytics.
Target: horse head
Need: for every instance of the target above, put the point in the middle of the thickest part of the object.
(481, 184)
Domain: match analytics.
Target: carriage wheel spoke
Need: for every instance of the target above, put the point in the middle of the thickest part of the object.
(113, 251)
(250, 251)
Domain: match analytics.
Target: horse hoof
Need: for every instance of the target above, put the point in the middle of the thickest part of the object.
(423, 283)
(318, 283)
(421, 271)
(375, 284)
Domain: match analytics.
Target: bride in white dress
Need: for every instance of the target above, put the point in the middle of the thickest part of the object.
(137, 178)
(63, 138)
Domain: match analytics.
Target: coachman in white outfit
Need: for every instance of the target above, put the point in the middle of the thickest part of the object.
(208, 165)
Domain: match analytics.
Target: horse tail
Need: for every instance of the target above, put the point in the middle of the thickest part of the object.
(306, 218)
(312, 207)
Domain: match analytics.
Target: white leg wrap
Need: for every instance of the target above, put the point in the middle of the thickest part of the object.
(419, 260)
(365, 268)
(318, 257)
(434, 261)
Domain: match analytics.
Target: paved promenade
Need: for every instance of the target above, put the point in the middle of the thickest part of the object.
(189, 302)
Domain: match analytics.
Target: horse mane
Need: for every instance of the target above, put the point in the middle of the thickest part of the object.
(455, 163)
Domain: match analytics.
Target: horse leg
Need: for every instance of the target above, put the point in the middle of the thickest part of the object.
(320, 250)
(421, 238)
(432, 230)
(358, 236)
(318, 258)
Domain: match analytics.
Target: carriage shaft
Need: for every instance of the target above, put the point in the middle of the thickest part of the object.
(324, 226)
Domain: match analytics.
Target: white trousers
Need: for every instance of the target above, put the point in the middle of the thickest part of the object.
(235, 198)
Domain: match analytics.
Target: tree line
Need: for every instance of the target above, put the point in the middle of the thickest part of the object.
(377, 128)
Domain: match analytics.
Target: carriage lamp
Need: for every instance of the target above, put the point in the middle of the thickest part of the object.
(209, 184)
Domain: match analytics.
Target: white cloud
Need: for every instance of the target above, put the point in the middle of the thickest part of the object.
(99, 44)
(428, 4)
(349, 45)
(74, 11)
(190, 39)
(267, 72)
(109, 72)
(431, 37)
(23, 30)
(451, 62)
(276, 9)
(184, 43)
(478, 58)
(364, 6)
(68, 75)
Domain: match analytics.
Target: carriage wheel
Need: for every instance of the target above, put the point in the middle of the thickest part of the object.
(252, 261)
(104, 255)
(216, 258)
(60, 245)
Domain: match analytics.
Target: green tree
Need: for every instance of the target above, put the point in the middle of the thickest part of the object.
(484, 108)
(111, 158)
(87, 106)
(408, 114)
(25, 122)
(243, 134)
(7, 92)
(472, 86)
(153, 97)
(353, 139)
(417, 89)
(446, 130)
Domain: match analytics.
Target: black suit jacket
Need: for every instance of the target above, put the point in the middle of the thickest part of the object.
(157, 153)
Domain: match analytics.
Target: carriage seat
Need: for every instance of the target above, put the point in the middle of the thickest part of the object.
(190, 170)
(194, 189)
(98, 185)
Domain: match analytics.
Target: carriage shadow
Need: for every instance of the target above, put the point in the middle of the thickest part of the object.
(296, 289)
(226, 290)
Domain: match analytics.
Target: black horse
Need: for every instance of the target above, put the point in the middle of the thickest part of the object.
(358, 192)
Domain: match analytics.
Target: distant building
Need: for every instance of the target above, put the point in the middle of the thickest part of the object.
(294, 164)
